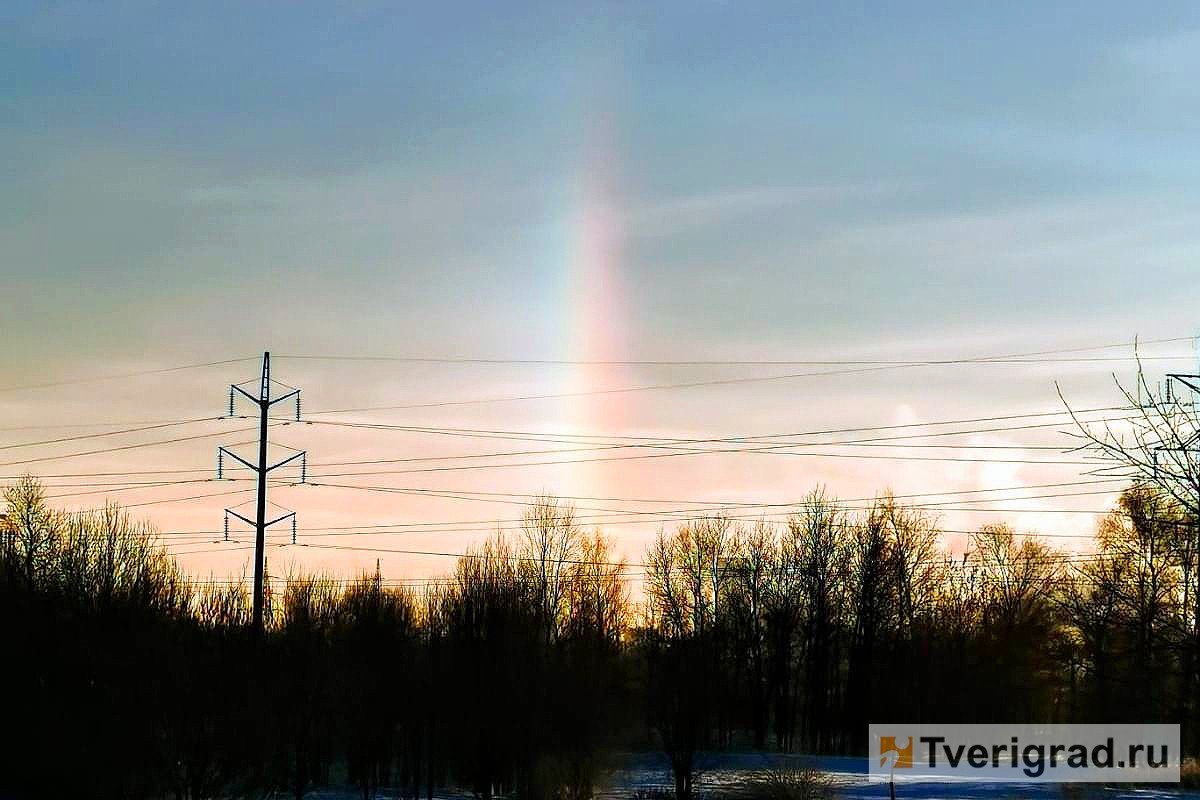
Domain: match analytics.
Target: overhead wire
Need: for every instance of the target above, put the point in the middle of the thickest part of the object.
(720, 381)
(667, 444)
(122, 376)
(106, 434)
(122, 448)
(740, 362)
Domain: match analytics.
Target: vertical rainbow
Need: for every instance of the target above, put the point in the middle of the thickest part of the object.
(597, 325)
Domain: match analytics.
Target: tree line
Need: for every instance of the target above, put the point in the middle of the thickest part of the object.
(523, 671)
(795, 637)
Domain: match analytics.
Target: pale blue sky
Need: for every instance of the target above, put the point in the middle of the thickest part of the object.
(787, 176)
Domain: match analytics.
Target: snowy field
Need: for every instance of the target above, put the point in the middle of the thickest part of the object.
(724, 774)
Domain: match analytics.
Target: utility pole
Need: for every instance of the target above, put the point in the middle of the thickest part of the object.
(264, 401)
(1187, 449)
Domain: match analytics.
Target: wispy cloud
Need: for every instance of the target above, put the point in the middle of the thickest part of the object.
(679, 214)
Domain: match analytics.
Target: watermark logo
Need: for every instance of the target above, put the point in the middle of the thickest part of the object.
(895, 752)
(1026, 753)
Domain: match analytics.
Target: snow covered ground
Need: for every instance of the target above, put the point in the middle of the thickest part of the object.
(730, 771)
(723, 774)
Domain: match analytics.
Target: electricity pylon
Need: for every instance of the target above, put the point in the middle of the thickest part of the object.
(1186, 449)
(264, 401)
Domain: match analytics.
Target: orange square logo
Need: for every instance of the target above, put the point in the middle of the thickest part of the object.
(893, 754)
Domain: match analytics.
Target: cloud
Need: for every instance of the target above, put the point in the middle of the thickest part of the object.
(674, 215)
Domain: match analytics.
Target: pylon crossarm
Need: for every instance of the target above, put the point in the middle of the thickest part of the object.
(283, 397)
(1190, 381)
(238, 458)
(231, 512)
(245, 394)
(280, 519)
(286, 461)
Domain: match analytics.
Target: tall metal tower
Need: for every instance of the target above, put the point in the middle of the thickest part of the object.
(264, 401)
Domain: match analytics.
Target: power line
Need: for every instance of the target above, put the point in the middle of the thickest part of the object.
(646, 456)
(567, 437)
(122, 448)
(103, 484)
(106, 434)
(906, 362)
(1050, 559)
(129, 473)
(128, 488)
(780, 448)
(706, 507)
(626, 571)
(675, 445)
(733, 503)
(847, 504)
(211, 550)
(1030, 358)
(772, 450)
(632, 517)
(718, 382)
(74, 425)
(491, 433)
(167, 500)
(97, 379)
(679, 515)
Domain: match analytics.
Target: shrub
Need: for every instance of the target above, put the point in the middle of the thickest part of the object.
(791, 783)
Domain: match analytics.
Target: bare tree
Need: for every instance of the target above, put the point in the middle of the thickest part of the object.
(915, 551)
(597, 596)
(758, 554)
(818, 535)
(691, 548)
(668, 607)
(550, 552)
(1017, 576)
(1157, 443)
(34, 528)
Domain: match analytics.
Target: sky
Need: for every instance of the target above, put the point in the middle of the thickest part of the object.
(583, 182)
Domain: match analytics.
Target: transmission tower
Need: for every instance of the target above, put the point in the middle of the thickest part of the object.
(1181, 456)
(1186, 447)
(262, 469)
(1189, 448)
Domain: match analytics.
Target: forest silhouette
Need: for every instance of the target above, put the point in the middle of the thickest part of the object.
(530, 667)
